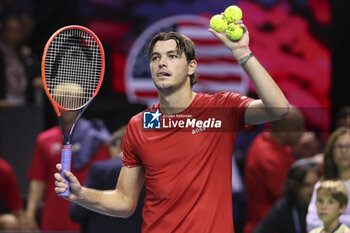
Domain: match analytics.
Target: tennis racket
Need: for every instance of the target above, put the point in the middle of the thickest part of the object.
(72, 69)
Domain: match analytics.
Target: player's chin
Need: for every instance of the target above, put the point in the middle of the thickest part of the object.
(163, 87)
(162, 84)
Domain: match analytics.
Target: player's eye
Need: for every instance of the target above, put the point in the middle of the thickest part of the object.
(173, 56)
(155, 58)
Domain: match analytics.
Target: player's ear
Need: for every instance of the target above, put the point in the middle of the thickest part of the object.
(192, 67)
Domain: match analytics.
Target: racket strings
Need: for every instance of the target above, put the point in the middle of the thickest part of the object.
(73, 68)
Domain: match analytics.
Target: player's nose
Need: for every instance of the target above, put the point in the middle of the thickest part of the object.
(163, 62)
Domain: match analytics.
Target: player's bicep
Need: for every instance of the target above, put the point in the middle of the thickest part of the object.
(257, 113)
(130, 182)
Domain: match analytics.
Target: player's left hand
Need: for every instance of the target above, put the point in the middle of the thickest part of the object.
(239, 48)
(61, 186)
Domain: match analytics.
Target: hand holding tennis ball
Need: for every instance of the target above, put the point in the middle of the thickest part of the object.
(225, 21)
(218, 23)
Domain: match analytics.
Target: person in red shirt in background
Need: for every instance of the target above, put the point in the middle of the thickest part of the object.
(187, 173)
(10, 199)
(268, 162)
(88, 146)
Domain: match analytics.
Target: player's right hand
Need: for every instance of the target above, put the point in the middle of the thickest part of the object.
(61, 186)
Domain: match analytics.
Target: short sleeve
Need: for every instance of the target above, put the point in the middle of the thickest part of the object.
(130, 157)
(236, 105)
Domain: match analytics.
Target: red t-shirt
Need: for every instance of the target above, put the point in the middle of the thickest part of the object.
(47, 153)
(10, 197)
(266, 169)
(188, 174)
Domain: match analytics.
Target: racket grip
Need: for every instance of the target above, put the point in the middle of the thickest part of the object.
(66, 158)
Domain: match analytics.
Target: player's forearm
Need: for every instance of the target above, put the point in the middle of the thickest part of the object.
(271, 95)
(36, 193)
(108, 202)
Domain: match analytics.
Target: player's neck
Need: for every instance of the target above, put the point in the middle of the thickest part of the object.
(175, 102)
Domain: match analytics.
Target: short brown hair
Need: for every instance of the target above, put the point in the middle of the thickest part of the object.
(336, 189)
(183, 44)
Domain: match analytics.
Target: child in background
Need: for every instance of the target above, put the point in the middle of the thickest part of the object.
(332, 199)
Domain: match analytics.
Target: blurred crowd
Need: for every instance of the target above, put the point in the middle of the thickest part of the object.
(284, 173)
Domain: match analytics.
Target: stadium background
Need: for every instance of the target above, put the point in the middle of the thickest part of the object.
(304, 44)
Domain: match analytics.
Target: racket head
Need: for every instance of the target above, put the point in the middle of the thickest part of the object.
(72, 67)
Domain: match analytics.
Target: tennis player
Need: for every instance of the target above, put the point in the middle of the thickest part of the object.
(186, 173)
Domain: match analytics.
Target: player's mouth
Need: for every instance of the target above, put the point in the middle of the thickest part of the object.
(163, 74)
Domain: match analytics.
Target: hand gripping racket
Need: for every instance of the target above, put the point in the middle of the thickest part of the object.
(72, 68)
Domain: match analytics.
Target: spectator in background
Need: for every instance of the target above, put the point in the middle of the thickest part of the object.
(332, 199)
(343, 117)
(11, 205)
(336, 167)
(288, 214)
(19, 70)
(88, 146)
(104, 175)
(22, 8)
(268, 162)
(309, 145)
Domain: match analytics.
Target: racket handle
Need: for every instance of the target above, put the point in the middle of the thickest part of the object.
(66, 158)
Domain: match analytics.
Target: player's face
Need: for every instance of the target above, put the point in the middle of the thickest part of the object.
(341, 152)
(170, 70)
(328, 208)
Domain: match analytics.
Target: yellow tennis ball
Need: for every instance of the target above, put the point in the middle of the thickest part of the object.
(69, 95)
(218, 23)
(68, 89)
(233, 13)
(234, 32)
